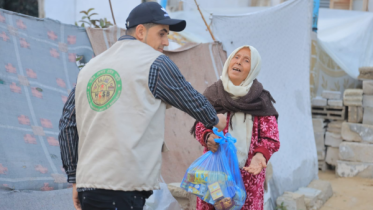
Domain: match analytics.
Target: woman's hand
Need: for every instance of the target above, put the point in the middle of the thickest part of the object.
(257, 164)
(211, 144)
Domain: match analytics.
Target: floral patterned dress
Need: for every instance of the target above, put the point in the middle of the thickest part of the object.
(265, 139)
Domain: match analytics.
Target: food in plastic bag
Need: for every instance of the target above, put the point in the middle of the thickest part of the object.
(216, 178)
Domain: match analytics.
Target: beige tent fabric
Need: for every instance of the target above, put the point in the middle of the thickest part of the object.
(325, 74)
(201, 66)
(102, 39)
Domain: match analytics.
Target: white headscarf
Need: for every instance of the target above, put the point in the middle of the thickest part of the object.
(242, 130)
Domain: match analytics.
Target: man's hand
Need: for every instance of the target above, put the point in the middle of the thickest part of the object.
(211, 144)
(257, 164)
(222, 122)
(76, 198)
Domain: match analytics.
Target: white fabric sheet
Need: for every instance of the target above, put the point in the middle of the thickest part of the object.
(347, 36)
(282, 36)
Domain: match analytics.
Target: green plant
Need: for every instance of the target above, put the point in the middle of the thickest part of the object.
(96, 23)
(281, 207)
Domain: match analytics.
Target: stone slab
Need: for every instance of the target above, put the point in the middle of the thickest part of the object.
(367, 100)
(331, 94)
(291, 201)
(321, 154)
(356, 152)
(319, 101)
(368, 116)
(337, 103)
(353, 103)
(368, 87)
(355, 114)
(325, 187)
(334, 130)
(186, 200)
(349, 135)
(332, 139)
(322, 165)
(366, 73)
(354, 169)
(352, 92)
(311, 197)
(332, 155)
(319, 141)
(318, 125)
(357, 132)
(335, 127)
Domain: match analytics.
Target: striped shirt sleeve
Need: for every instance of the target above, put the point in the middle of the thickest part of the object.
(168, 84)
(68, 138)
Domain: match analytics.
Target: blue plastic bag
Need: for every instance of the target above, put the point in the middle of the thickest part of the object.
(216, 178)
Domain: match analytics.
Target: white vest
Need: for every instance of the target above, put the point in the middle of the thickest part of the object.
(120, 123)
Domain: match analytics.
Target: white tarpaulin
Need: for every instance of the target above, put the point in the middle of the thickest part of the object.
(347, 36)
(282, 36)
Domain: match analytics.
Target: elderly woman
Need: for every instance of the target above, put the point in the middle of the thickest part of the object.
(251, 118)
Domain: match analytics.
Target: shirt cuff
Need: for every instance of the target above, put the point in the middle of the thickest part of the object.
(213, 123)
(71, 178)
(205, 135)
(264, 151)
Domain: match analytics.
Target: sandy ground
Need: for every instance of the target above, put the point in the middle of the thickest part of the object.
(349, 193)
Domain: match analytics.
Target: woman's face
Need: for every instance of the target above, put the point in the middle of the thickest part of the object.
(240, 66)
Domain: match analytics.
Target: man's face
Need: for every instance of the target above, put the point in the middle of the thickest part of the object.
(156, 37)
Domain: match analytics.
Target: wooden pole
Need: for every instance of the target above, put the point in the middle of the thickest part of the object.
(112, 13)
(212, 35)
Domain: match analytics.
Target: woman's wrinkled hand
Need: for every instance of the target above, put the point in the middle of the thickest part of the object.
(258, 162)
(211, 144)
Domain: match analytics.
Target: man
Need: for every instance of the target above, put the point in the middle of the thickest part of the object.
(118, 109)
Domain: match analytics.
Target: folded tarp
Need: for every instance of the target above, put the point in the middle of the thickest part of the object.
(282, 36)
(347, 36)
(37, 71)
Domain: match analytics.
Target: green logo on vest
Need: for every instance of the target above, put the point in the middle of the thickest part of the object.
(104, 89)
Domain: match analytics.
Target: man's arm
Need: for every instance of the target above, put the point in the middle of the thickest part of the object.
(168, 84)
(68, 138)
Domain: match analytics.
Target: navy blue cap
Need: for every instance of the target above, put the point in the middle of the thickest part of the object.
(152, 12)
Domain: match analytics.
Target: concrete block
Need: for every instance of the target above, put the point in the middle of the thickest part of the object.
(334, 130)
(186, 200)
(335, 127)
(311, 197)
(355, 114)
(366, 73)
(331, 94)
(368, 116)
(321, 154)
(332, 155)
(356, 152)
(325, 187)
(322, 165)
(319, 101)
(368, 87)
(367, 100)
(357, 132)
(332, 139)
(349, 93)
(354, 169)
(319, 141)
(318, 125)
(336, 103)
(353, 102)
(292, 201)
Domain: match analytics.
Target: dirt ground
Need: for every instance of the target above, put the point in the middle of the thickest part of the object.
(349, 193)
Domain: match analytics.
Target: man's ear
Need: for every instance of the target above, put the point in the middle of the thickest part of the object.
(140, 32)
